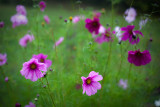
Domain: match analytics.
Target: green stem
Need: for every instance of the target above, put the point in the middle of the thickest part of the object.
(130, 67)
(50, 92)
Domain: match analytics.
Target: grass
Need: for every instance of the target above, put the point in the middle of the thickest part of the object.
(76, 57)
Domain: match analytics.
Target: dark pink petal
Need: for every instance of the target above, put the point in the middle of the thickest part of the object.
(138, 32)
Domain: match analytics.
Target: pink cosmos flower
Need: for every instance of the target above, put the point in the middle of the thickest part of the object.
(130, 34)
(30, 105)
(76, 19)
(18, 20)
(43, 59)
(6, 79)
(139, 58)
(24, 40)
(130, 15)
(96, 14)
(118, 33)
(58, 42)
(142, 23)
(32, 69)
(46, 19)
(21, 10)
(42, 5)
(105, 37)
(3, 59)
(123, 83)
(92, 25)
(90, 84)
(1, 24)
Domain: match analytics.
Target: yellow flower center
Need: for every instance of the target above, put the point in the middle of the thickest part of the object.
(94, 24)
(70, 18)
(88, 81)
(42, 60)
(33, 66)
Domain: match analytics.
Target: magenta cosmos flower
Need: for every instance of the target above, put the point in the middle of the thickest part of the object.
(90, 84)
(123, 83)
(32, 69)
(92, 25)
(107, 36)
(130, 15)
(139, 58)
(46, 19)
(133, 36)
(58, 42)
(3, 59)
(43, 59)
(1, 24)
(21, 10)
(42, 5)
(24, 40)
(30, 105)
(18, 20)
(96, 14)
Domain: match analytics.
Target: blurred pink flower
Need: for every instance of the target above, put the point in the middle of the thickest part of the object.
(130, 15)
(123, 83)
(142, 23)
(93, 25)
(139, 58)
(3, 59)
(30, 105)
(43, 59)
(42, 5)
(133, 36)
(90, 84)
(58, 42)
(6, 79)
(77, 18)
(118, 33)
(32, 69)
(96, 14)
(46, 19)
(21, 10)
(107, 36)
(24, 40)
(1, 24)
(18, 20)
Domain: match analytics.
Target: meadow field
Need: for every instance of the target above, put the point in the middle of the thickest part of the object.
(77, 55)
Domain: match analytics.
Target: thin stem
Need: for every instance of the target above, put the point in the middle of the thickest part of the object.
(50, 92)
(130, 67)
(37, 31)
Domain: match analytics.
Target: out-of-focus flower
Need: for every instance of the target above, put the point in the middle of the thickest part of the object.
(42, 24)
(130, 34)
(96, 14)
(139, 58)
(6, 79)
(30, 105)
(18, 20)
(130, 15)
(90, 84)
(21, 10)
(58, 42)
(78, 86)
(105, 37)
(43, 59)
(118, 33)
(65, 20)
(3, 59)
(123, 83)
(42, 5)
(103, 10)
(77, 19)
(24, 40)
(46, 19)
(142, 23)
(157, 103)
(1, 24)
(32, 69)
(92, 25)
(17, 105)
(70, 18)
